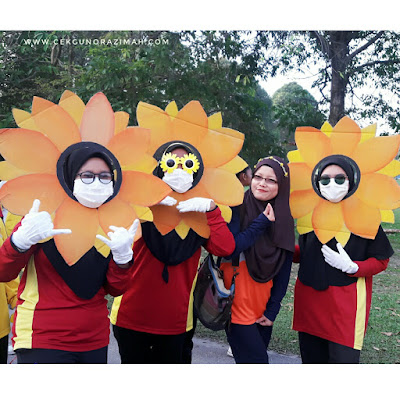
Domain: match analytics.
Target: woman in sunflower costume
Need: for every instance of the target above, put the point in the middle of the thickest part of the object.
(342, 188)
(70, 266)
(152, 317)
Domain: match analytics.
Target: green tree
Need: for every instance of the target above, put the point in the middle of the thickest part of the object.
(181, 70)
(353, 65)
(30, 65)
(294, 106)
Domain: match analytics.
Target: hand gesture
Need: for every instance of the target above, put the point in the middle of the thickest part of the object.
(269, 212)
(120, 242)
(35, 226)
(264, 321)
(339, 260)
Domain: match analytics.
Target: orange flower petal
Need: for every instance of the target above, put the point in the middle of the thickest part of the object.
(300, 176)
(17, 195)
(73, 105)
(101, 247)
(165, 218)
(83, 222)
(360, 218)
(158, 121)
(142, 189)
(198, 222)
(374, 154)
(98, 120)
(327, 220)
(380, 191)
(190, 124)
(121, 121)
(220, 146)
(130, 145)
(116, 212)
(28, 150)
(303, 202)
(145, 164)
(222, 186)
(55, 123)
(313, 145)
(345, 137)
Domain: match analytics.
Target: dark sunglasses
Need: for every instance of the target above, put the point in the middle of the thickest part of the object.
(339, 179)
(88, 177)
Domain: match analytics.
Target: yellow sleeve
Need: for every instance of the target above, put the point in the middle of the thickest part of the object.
(11, 291)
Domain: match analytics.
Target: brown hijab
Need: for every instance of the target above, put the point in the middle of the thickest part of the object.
(265, 258)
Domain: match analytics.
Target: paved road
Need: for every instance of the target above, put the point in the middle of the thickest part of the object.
(204, 352)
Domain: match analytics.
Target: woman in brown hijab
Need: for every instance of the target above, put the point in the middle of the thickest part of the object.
(264, 235)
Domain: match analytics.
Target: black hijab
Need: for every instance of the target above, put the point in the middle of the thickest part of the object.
(266, 257)
(88, 274)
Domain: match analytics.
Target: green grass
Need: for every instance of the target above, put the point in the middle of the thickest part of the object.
(382, 341)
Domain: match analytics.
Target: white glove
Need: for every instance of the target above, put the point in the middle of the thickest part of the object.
(121, 242)
(35, 226)
(168, 201)
(339, 260)
(198, 204)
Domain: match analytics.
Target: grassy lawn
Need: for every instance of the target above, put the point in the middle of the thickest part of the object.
(382, 341)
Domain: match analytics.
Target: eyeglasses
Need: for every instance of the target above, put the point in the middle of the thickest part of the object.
(339, 179)
(170, 161)
(268, 181)
(88, 177)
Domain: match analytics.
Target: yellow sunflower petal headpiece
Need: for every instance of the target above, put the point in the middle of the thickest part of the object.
(373, 200)
(212, 147)
(46, 136)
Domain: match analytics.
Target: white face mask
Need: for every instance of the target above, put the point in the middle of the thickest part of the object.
(334, 192)
(94, 194)
(179, 180)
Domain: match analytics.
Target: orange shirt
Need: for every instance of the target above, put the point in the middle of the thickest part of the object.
(251, 297)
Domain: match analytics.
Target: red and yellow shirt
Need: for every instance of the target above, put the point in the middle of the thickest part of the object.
(49, 314)
(150, 304)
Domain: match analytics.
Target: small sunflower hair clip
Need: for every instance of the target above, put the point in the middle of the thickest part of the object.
(190, 163)
(169, 162)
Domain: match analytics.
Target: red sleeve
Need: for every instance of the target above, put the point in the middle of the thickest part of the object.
(117, 279)
(370, 267)
(221, 241)
(11, 260)
(296, 254)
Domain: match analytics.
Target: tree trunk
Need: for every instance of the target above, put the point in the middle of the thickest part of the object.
(339, 49)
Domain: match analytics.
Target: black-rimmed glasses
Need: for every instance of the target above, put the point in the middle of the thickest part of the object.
(88, 177)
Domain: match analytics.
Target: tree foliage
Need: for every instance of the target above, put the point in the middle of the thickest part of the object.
(137, 69)
(294, 106)
(358, 72)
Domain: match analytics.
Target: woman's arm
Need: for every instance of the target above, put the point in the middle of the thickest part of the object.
(11, 260)
(117, 278)
(247, 238)
(221, 242)
(279, 288)
(11, 292)
(370, 267)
